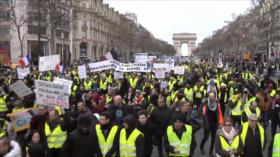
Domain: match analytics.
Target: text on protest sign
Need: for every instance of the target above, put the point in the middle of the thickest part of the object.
(20, 89)
(63, 81)
(141, 57)
(82, 71)
(47, 63)
(160, 73)
(52, 94)
(22, 72)
(180, 70)
(99, 66)
(118, 75)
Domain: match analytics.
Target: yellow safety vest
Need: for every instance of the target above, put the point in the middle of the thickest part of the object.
(3, 104)
(74, 89)
(248, 112)
(184, 144)
(199, 92)
(56, 137)
(272, 93)
(276, 146)
(226, 146)
(108, 100)
(245, 130)
(109, 79)
(105, 144)
(133, 82)
(237, 111)
(127, 146)
(189, 94)
(171, 85)
(103, 85)
(173, 95)
(247, 104)
(88, 85)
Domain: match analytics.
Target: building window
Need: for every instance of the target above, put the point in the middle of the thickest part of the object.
(36, 29)
(84, 26)
(83, 49)
(66, 35)
(4, 15)
(58, 33)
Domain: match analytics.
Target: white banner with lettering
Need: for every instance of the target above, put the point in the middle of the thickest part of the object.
(82, 71)
(22, 72)
(99, 66)
(47, 63)
(52, 94)
(20, 89)
(180, 70)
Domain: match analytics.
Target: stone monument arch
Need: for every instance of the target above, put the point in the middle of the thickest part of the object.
(184, 38)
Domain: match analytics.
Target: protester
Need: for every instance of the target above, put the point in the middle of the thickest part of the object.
(9, 148)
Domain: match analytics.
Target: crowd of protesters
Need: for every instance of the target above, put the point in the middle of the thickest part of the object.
(126, 117)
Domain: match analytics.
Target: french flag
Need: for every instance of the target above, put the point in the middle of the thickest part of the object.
(24, 61)
(59, 68)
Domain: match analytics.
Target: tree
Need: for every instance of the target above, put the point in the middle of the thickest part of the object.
(18, 20)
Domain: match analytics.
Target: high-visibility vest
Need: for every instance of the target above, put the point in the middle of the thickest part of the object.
(231, 92)
(245, 130)
(199, 92)
(272, 93)
(276, 146)
(105, 144)
(56, 137)
(133, 82)
(171, 84)
(74, 89)
(3, 104)
(249, 112)
(103, 85)
(88, 85)
(109, 79)
(184, 144)
(237, 111)
(247, 104)
(174, 95)
(226, 146)
(108, 100)
(127, 146)
(4, 128)
(189, 94)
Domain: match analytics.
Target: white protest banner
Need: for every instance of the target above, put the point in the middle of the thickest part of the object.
(180, 70)
(22, 72)
(63, 81)
(47, 63)
(99, 66)
(21, 120)
(133, 67)
(82, 71)
(163, 84)
(118, 75)
(20, 89)
(164, 66)
(160, 73)
(52, 94)
(171, 64)
(141, 57)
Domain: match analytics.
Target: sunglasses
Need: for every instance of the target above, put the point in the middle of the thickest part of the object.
(227, 125)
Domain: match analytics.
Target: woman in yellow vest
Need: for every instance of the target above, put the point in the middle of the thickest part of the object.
(228, 142)
(132, 143)
(276, 146)
(178, 140)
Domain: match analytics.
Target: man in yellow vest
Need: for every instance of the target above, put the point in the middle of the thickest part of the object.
(108, 135)
(253, 137)
(178, 140)
(55, 133)
(235, 103)
(3, 103)
(88, 84)
(131, 142)
(276, 145)
(253, 108)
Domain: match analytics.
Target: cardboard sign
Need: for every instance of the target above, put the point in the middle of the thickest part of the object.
(20, 89)
(180, 70)
(22, 72)
(130, 67)
(100, 66)
(160, 73)
(21, 120)
(118, 75)
(52, 94)
(161, 66)
(63, 81)
(82, 71)
(47, 63)
(141, 57)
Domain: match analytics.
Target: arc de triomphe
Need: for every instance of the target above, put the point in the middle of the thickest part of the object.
(184, 38)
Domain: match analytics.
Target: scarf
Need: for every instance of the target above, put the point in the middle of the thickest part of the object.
(212, 106)
(229, 136)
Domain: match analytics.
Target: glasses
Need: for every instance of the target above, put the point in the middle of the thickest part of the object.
(229, 125)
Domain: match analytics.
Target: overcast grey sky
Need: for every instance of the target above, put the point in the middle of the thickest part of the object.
(165, 17)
